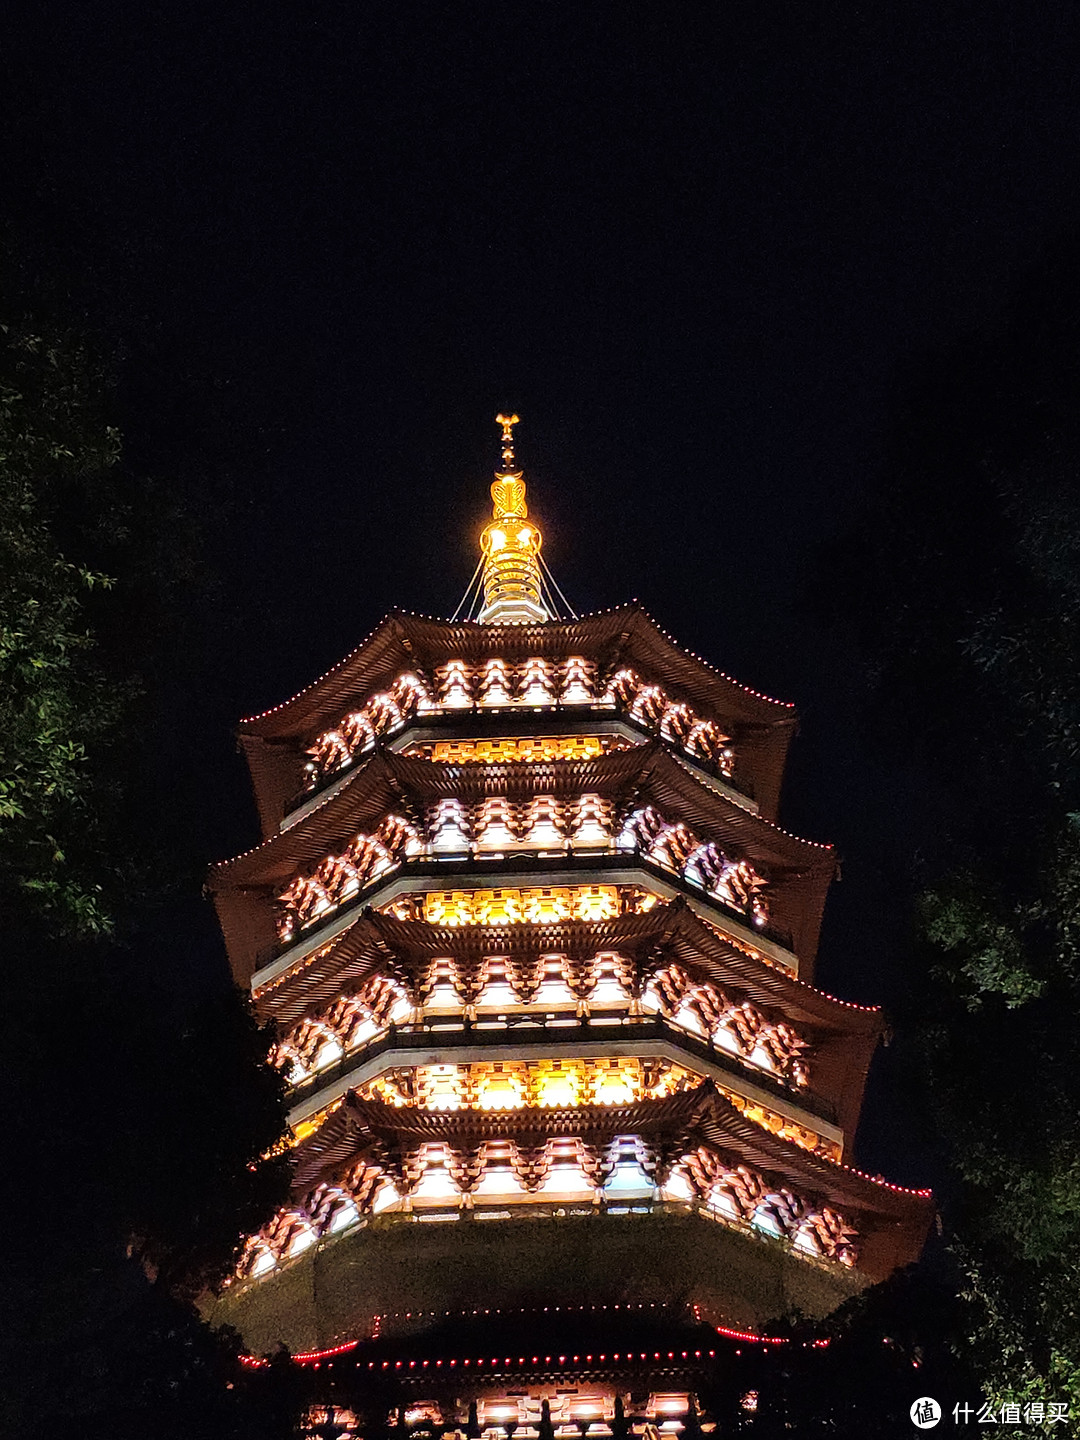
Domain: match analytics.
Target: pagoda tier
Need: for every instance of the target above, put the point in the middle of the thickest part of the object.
(662, 931)
(635, 807)
(416, 671)
(389, 987)
(689, 1145)
(655, 1165)
(539, 958)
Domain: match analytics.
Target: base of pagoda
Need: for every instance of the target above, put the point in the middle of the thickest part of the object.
(399, 1267)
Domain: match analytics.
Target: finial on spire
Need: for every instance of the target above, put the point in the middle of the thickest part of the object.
(510, 546)
(507, 422)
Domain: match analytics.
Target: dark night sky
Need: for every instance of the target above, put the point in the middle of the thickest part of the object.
(691, 246)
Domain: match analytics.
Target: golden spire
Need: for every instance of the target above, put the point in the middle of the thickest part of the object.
(510, 546)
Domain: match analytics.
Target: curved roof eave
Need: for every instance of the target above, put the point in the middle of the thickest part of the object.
(402, 638)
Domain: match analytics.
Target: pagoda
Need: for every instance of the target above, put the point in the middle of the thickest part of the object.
(564, 1100)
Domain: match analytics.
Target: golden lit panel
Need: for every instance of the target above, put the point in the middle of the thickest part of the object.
(543, 1084)
(535, 750)
(540, 905)
(385, 1088)
(563, 1084)
(339, 1421)
(558, 1089)
(306, 1128)
(501, 1091)
(784, 1128)
(548, 909)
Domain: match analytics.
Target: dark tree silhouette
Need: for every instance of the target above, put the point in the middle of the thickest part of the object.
(138, 1111)
(962, 585)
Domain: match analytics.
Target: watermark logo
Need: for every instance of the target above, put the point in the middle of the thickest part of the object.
(925, 1413)
(1010, 1412)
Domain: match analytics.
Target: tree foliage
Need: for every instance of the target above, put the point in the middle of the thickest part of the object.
(963, 584)
(139, 1109)
(855, 1373)
(56, 712)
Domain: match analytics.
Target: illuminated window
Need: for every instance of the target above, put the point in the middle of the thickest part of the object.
(596, 902)
(344, 1216)
(501, 1090)
(678, 1187)
(615, 1085)
(449, 828)
(558, 1089)
(494, 826)
(494, 685)
(443, 1088)
(497, 994)
(436, 1183)
(543, 827)
(546, 907)
(567, 1179)
(386, 1197)
(498, 1181)
(578, 681)
(591, 825)
(537, 688)
(263, 1262)
(453, 682)
(330, 1052)
(303, 1240)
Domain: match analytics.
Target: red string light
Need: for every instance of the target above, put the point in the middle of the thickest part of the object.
(305, 1357)
(745, 1335)
(312, 1356)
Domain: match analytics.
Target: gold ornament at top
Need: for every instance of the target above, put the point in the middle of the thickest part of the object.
(510, 545)
(508, 422)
